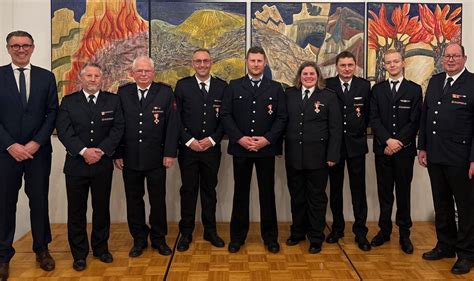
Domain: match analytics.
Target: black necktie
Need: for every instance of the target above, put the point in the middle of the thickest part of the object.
(255, 83)
(448, 85)
(142, 96)
(22, 86)
(394, 87)
(346, 88)
(91, 101)
(203, 89)
(305, 97)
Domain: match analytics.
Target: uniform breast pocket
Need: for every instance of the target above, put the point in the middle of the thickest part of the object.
(240, 104)
(107, 116)
(404, 104)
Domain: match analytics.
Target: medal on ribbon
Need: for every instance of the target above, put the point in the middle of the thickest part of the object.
(316, 107)
(358, 111)
(270, 111)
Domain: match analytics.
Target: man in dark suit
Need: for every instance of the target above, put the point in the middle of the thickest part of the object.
(353, 94)
(90, 125)
(199, 99)
(447, 148)
(28, 109)
(254, 117)
(395, 110)
(149, 147)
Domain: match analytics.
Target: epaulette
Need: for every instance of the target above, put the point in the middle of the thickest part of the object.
(126, 84)
(163, 84)
(438, 74)
(330, 90)
(218, 78)
(184, 78)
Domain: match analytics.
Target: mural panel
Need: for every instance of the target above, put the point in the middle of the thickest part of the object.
(111, 33)
(179, 28)
(419, 31)
(292, 33)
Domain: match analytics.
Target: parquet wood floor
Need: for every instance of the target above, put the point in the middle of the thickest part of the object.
(342, 261)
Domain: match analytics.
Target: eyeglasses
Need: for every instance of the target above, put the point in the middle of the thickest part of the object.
(453, 57)
(143, 71)
(205, 62)
(17, 47)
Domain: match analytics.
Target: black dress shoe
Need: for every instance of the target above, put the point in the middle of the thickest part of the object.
(162, 248)
(292, 240)
(406, 245)
(462, 266)
(184, 241)
(4, 271)
(214, 239)
(333, 237)
(437, 254)
(234, 247)
(363, 243)
(79, 265)
(45, 260)
(137, 250)
(105, 257)
(379, 240)
(273, 247)
(314, 248)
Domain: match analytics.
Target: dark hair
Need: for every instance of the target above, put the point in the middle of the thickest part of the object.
(345, 54)
(201, 50)
(460, 46)
(321, 84)
(256, 50)
(90, 64)
(19, 33)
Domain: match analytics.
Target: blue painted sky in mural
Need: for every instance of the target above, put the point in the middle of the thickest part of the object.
(79, 7)
(176, 12)
(287, 10)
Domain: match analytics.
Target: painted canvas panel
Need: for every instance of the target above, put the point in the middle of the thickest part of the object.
(419, 31)
(109, 32)
(178, 28)
(292, 33)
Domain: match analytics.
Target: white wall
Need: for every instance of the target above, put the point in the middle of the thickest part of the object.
(34, 16)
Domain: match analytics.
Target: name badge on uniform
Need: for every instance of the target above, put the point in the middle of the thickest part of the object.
(458, 96)
(156, 114)
(358, 111)
(107, 115)
(270, 111)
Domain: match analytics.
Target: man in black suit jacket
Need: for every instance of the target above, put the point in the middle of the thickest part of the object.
(199, 98)
(28, 109)
(90, 125)
(395, 110)
(447, 148)
(149, 147)
(254, 117)
(353, 94)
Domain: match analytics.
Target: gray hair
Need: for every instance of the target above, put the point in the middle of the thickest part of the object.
(90, 64)
(140, 58)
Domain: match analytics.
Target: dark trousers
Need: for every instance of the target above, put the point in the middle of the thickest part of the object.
(134, 191)
(198, 174)
(239, 223)
(451, 185)
(394, 172)
(356, 171)
(77, 192)
(308, 202)
(36, 175)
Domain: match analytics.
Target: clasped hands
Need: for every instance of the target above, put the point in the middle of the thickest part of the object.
(201, 145)
(23, 152)
(393, 146)
(92, 155)
(253, 143)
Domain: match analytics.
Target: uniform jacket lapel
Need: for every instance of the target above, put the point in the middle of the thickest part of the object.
(11, 84)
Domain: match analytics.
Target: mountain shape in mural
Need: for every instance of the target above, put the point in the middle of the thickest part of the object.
(269, 17)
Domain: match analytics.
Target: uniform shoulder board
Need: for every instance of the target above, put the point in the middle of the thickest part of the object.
(290, 88)
(184, 78)
(330, 90)
(218, 78)
(163, 84)
(126, 84)
(438, 74)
